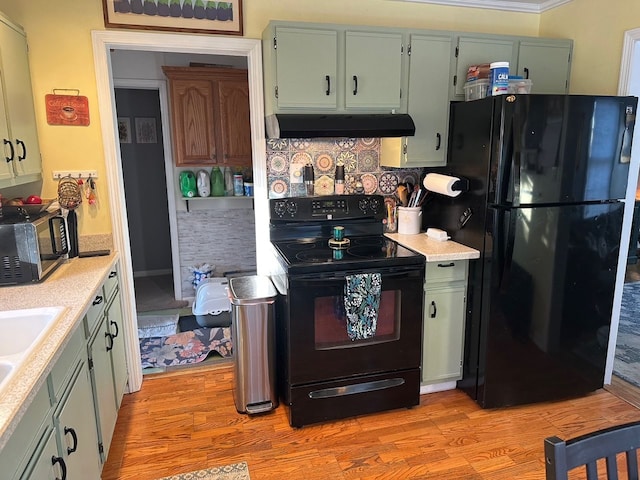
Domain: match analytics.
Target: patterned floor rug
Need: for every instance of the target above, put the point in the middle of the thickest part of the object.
(184, 348)
(627, 361)
(236, 471)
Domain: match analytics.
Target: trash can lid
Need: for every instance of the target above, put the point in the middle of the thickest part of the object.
(251, 289)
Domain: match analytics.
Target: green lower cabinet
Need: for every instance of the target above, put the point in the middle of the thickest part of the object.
(107, 366)
(102, 380)
(118, 351)
(443, 335)
(46, 464)
(443, 321)
(76, 433)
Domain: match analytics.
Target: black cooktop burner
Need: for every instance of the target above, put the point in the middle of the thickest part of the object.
(310, 255)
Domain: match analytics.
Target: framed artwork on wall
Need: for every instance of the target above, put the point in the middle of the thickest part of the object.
(196, 16)
(124, 129)
(146, 130)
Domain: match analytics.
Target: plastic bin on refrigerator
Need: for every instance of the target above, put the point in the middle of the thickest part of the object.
(253, 333)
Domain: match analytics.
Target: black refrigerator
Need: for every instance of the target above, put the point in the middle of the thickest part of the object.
(546, 178)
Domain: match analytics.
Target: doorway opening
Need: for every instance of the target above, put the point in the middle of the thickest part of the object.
(622, 376)
(107, 42)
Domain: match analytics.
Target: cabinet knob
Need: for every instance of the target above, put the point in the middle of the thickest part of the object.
(24, 149)
(97, 300)
(328, 79)
(526, 73)
(355, 84)
(110, 337)
(13, 153)
(63, 466)
(439, 138)
(434, 309)
(115, 324)
(69, 430)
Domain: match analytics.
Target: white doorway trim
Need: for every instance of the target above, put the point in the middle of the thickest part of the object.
(628, 84)
(103, 42)
(161, 87)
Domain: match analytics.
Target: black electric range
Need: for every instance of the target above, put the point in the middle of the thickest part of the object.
(322, 244)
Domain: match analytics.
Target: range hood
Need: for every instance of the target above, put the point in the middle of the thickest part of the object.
(339, 125)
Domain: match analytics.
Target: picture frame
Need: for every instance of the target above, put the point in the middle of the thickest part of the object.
(146, 130)
(124, 129)
(195, 16)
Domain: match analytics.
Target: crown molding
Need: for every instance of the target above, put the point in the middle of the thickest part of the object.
(525, 6)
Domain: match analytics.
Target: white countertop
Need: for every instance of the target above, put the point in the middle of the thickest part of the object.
(73, 286)
(434, 250)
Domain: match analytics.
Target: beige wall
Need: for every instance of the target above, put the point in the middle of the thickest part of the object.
(597, 29)
(61, 55)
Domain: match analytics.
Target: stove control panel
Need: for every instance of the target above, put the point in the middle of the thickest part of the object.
(328, 207)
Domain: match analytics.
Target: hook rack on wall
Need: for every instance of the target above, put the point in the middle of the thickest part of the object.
(78, 174)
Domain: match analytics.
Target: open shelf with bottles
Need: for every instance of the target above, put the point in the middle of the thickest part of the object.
(207, 203)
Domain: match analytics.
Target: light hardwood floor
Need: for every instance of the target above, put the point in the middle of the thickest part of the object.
(187, 421)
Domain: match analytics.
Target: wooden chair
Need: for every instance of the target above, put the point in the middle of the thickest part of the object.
(586, 450)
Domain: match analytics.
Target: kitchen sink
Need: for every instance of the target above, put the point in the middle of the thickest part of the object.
(21, 331)
(5, 371)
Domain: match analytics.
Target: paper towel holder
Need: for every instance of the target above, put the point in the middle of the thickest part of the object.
(461, 185)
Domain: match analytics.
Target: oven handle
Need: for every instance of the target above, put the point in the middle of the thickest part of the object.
(356, 388)
(397, 273)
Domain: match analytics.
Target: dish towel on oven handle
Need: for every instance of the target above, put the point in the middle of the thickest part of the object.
(361, 302)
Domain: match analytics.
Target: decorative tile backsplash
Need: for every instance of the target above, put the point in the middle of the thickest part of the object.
(360, 157)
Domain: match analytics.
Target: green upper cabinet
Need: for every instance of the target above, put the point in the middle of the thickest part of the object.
(373, 70)
(474, 50)
(18, 125)
(428, 104)
(306, 68)
(318, 68)
(546, 63)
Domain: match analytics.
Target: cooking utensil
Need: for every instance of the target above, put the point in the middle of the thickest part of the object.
(69, 198)
(402, 195)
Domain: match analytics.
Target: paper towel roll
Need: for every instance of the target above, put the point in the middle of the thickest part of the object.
(442, 184)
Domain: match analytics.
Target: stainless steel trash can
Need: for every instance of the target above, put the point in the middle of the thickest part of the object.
(253, 333)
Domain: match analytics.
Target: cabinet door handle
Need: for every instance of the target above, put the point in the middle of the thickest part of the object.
(439, 138)
(113, 274)
(115, 324)
(328, 79)
(434, 309)
(110, 337)
(446, 265)
(24, 149)
(74, 437)
(97, 300)
(355, 84)
(63, 466)
(526, 73)
(13, 153)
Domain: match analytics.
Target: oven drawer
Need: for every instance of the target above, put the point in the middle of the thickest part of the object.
(331, 400)
(446, 271)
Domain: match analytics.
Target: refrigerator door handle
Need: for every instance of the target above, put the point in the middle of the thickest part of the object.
(516, 132)
(506, 235)
(508, 191)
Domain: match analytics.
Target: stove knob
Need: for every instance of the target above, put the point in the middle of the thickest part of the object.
(292, 208)
(363, 205)
(374, 205)
(279, 208)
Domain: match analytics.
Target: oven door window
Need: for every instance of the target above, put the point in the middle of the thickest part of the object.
(330, 321)
(316, 333)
